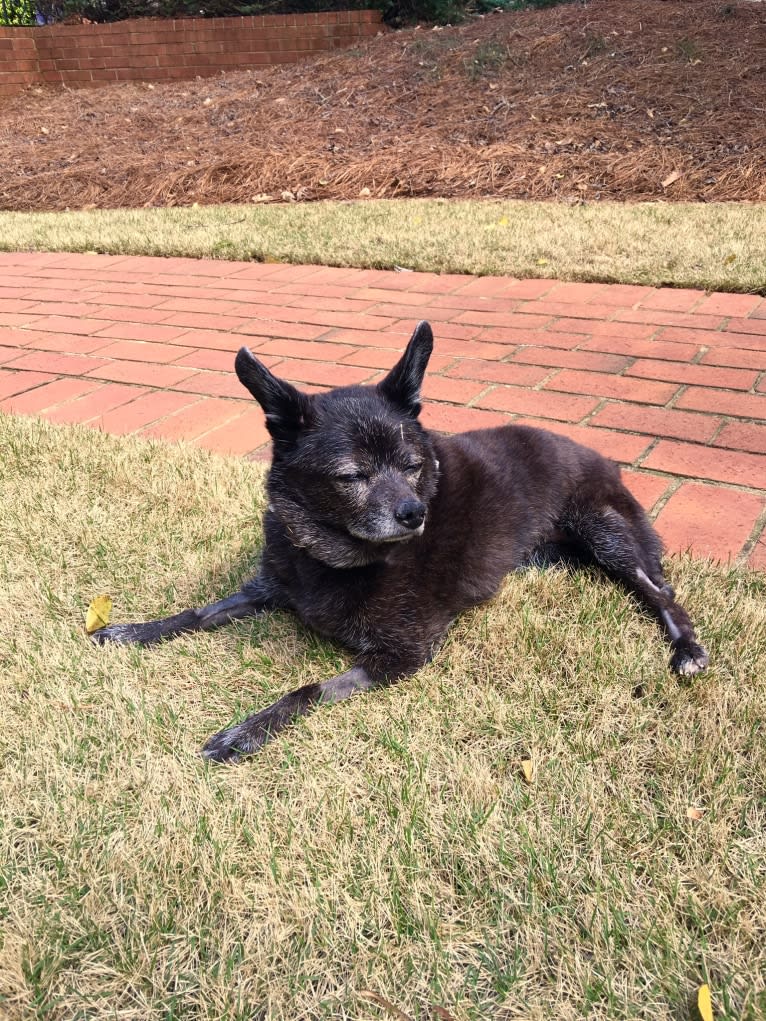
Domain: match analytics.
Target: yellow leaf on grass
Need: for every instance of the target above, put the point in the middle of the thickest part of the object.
(528, 770)
(704, 1003)
(542, 262)
(503, 221)
(98, 614)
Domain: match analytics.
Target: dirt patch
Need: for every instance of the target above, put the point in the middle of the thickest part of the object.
(644, 100)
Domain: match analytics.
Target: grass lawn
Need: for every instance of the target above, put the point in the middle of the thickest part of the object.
(715, 247)
(386, 853)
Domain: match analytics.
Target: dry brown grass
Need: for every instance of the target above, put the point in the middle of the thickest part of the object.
(719, 247)
(390, 844)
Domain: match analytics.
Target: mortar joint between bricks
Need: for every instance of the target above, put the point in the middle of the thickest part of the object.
(674, 485)
(721, 426)
(677, 396)
(507, 358)
(603, 403)
(699, 355)
(487, 390)
(671, 400)
(643, 456)
(757, 532)
(540, 387)
(628, 365)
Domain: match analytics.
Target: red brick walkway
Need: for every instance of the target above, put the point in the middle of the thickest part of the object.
(670, 383)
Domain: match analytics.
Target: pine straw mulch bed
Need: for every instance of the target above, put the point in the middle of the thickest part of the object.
(613, 100)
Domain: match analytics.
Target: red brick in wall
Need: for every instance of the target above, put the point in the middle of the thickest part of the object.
(157, 50)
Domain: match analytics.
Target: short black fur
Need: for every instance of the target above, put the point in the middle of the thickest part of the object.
(379, 533)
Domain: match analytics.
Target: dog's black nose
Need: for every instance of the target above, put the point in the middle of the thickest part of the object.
(410, 513)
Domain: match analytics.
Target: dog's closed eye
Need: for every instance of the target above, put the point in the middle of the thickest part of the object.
(350, 478)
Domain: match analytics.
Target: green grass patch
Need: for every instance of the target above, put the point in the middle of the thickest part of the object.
(390, 844)
(715, 246)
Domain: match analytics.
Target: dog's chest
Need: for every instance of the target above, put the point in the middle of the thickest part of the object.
(366, 608)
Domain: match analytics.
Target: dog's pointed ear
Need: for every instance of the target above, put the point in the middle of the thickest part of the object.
(402, 384)
(286, 408)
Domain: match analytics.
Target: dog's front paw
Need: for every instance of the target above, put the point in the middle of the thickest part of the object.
(688, 658)
(243, 738)
(117, 634)
(226, 746)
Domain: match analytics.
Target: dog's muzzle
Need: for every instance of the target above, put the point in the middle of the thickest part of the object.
(411, 514)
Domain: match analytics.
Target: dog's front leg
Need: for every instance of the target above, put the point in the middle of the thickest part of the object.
(256, 596)
(248, 736)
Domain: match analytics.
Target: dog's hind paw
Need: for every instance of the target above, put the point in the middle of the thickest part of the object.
(688, 658)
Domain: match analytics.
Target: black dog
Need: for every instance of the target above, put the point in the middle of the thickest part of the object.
(378, 533)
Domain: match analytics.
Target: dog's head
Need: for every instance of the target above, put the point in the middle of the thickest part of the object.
(353, 469)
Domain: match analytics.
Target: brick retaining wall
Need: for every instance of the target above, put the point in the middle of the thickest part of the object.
(158, 50)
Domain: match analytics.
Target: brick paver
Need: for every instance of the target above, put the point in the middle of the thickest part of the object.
(670, 383)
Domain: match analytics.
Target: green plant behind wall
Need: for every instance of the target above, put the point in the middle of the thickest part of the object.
(16, 12)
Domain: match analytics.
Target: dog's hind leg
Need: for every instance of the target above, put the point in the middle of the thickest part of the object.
(622, 541)
(248, 736)
(253, 598)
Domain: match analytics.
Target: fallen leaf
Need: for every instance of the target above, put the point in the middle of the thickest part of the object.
(670, 179)
(694, 814)
(98, 613)
(542, 262)
(528, 769)
(704, 1003)
(503, 221)
(729, 260)
(365, 193)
